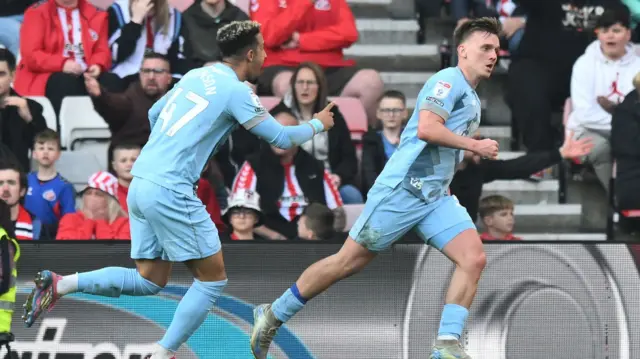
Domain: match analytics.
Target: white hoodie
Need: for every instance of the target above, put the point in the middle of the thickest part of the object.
(594, 75)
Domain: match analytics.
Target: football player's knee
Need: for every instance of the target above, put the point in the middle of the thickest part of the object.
(475, 262)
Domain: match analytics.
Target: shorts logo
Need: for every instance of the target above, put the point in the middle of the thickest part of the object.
(49, 195)
(436, 101)
(441, 89)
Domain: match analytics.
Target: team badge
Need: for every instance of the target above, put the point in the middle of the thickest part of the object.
(49, 195)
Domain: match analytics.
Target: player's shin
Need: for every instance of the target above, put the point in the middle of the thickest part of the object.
(191, 312)
(110, 282)
(462, 290)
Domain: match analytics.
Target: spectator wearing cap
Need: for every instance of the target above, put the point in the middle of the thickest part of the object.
(100, 216)
(334, 148)
(313, 31)
(243, 215)
(287, 181)
(137, 27)
(59, 41)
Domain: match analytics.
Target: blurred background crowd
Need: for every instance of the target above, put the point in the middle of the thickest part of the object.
(77, 78)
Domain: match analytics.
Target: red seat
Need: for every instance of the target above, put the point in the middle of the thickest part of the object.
(354, 114)
(102, 4)
(181, 5)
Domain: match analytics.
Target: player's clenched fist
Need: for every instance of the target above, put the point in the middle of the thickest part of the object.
(486, 148)
(326, 116)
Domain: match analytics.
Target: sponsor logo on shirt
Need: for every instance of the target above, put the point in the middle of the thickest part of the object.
(441, 89)
(256, 102)
(436, 101)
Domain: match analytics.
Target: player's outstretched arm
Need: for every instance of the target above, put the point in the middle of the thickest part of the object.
(280, 136)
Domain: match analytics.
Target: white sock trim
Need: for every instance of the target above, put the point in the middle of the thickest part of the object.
(67, 284)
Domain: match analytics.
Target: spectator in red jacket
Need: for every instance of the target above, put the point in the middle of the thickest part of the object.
(208, 197)
(59, 41)
(100, 216)
(313, 31)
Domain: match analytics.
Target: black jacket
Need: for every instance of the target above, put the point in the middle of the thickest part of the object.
(373, 158)
(342, 152)
(270, 185)
(203, 28)
(232, 154)
(467, 183)
(14, 7)
(625, 132)
(17, 134)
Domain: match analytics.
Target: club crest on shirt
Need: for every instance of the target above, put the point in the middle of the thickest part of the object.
(49, 195)
(441, 89)
(93, 34)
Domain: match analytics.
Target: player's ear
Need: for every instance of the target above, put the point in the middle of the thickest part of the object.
(462, 51)
(251, 54)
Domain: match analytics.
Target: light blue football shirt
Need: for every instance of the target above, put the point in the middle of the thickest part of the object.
(190, 122)
(424, 169)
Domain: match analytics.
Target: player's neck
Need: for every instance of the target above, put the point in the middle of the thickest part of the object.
(236, 68)
(471, 79)
(47, 173)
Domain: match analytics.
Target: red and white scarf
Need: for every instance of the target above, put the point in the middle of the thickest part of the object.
(72, 31)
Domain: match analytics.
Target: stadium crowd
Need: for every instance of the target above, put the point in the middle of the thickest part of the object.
(572, 55)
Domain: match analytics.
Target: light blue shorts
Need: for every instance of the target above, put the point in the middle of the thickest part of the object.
(391, 212)
(169, 225)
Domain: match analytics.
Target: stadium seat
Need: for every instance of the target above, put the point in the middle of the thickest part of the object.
(181, 5)
(242, 5)
(47, 111)
(354, 114)
(80, 122)
(269, 102)
(614, 212)
(352, 211)
(77, 166)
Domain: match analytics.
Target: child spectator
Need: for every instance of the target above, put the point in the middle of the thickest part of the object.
(49, 195)
(496, 213)
(378, 144)
(100, 215)
(243, 215)
(123, 158)
(13, 185)
(316, 223)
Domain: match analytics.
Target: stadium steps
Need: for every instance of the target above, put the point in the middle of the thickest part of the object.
(524, 192)
(386, 31)
(545, 217)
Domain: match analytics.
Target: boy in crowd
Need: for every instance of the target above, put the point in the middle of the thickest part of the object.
(243, 215)
(316, 223)
(496, 213)
(49, 195)
(124, 155)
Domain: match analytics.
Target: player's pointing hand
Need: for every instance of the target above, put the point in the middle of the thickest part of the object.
(486, 148)
(326, 116)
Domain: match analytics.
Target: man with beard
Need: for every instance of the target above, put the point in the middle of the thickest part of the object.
(13, 186)
(126, 113)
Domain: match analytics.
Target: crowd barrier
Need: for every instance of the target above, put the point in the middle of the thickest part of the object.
(536, 300)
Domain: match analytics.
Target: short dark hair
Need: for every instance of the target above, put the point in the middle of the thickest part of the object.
(236, 37)
(155, 55)
(125, 146)
(47, 135)
(9, 58)
(617, 15)
(12, 164)
(319, 220)
(483, 24)
(394, 94)
(281, 109)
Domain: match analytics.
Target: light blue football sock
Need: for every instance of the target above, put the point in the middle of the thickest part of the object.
(114, 281)
(453, 318)
(289, 303)
(191, 312)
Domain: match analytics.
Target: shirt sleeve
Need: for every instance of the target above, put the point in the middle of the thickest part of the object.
(244, 105)
(441, 94)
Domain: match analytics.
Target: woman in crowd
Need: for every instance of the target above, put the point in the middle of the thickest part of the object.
(100, 216)
(308, 96)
